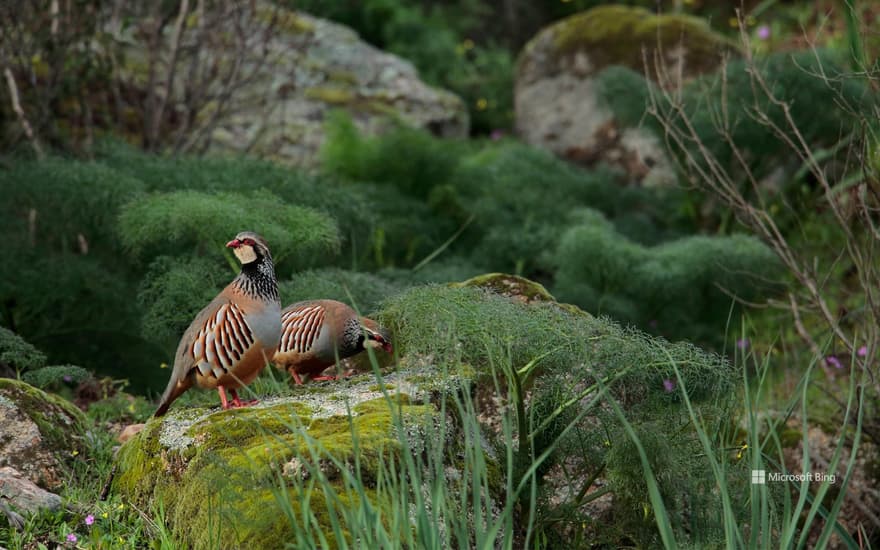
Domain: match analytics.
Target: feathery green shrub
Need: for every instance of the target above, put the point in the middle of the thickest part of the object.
(558, 354)
(17, 353)
(56, 376)
(681, 288)
(186, 220)
(486, 327)
(85, 286)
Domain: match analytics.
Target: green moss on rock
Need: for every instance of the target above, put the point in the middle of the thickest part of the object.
(512, 286)
(618, 35)
(60, 424)
(240, 476)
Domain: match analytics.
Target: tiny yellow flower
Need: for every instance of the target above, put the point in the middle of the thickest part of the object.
(739, 455)
(733, 22)
(74, 453)
(468, 44)
(121, 506)
(163, 366)
(131, 407)
(482, 103)
(105, 515)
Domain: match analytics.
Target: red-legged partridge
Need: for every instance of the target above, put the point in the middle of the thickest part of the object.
(232, 339)
(317, 332)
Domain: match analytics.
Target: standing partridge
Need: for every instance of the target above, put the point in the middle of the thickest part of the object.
(316, 332)
(232, 339)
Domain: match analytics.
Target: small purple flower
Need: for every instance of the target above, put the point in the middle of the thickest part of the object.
(743, 343)
(496, 135)
(67, 378)
(90, 519)
(71, 538)
(668, 385)
(763, 32)
(833, 361)
(862, 351)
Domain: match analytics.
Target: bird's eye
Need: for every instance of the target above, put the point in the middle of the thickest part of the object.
(249, 242)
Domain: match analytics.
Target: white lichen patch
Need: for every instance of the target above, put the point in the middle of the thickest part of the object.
(322, 400)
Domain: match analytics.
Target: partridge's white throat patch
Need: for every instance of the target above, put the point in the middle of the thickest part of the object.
(245, 254)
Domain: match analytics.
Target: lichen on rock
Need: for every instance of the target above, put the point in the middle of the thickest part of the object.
(39, 432)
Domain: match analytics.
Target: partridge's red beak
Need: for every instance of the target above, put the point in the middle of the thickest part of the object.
(234, 243)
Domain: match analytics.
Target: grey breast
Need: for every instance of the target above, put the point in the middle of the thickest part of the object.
(266, 325)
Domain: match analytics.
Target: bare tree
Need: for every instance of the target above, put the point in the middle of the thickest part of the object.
(198, 57)
(167, 71)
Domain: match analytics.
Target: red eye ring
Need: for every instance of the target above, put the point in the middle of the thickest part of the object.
(249, 242)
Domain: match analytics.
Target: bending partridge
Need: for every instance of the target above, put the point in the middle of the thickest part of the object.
(316, 332)
(232, 339)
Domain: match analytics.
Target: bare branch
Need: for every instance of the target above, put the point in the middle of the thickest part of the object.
(19, 112)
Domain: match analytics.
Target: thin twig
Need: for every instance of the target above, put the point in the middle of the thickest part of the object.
(22, 119)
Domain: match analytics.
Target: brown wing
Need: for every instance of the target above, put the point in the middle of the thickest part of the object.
(301, 325)
(215, 341)
(222, 341)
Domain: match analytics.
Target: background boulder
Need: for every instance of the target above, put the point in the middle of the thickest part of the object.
(39, 432)
(294, 69)
(557, 101)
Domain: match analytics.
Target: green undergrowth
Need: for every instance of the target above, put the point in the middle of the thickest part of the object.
(487, 328)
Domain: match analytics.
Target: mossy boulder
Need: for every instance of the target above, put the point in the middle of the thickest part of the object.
(563, 60)
(39, 432)
(243, 476)
(511, 286)
(295, 70)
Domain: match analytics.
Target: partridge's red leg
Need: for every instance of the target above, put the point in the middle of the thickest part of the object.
(238, 403)
(296, 377)
(223, 402)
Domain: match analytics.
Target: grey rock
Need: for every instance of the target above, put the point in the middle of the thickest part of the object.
(19, 495)
(557, 103)
(38, 432)
(311, 67)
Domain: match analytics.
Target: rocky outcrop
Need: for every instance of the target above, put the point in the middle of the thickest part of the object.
(39, 432)
(18, 495)
(295, 70)
(558, 106)
(254, 467)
